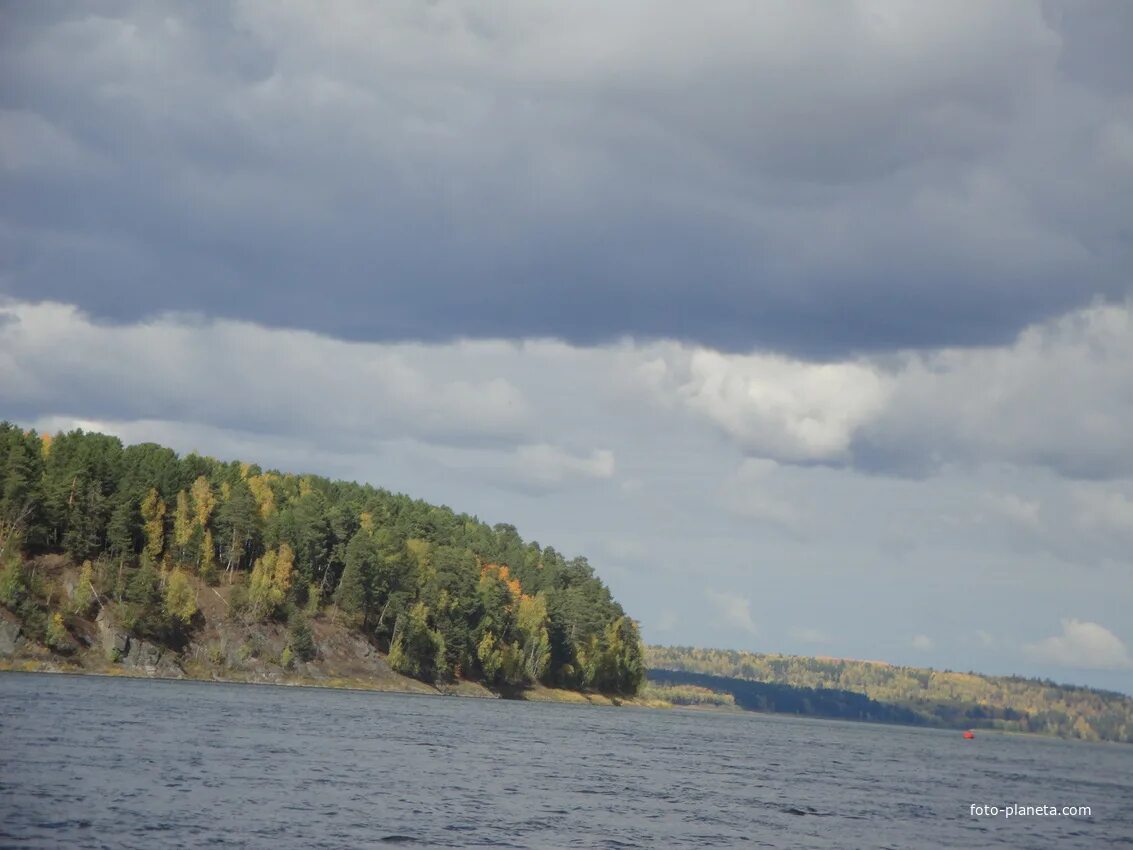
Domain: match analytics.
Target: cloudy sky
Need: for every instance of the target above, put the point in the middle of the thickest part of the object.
(811, 325)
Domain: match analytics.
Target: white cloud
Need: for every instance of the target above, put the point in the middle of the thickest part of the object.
(238, 374)
(923, 643)
(733, 610)
(1083, 645)
(1056, 397)
(781, 408)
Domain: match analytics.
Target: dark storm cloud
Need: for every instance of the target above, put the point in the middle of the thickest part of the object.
(809, 179)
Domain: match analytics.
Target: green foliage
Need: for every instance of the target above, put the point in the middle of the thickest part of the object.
(356, 589)
(300, 639)
(14, 583)
(153, 519)
(490, 657)
(314, 600)
(447, 594)
(57, 636)
(84, 596)
(417, 649)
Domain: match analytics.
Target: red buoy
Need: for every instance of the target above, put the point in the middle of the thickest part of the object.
(969, 734)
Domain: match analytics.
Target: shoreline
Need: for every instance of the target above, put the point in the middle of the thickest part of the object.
(472, 691)
(541, 694)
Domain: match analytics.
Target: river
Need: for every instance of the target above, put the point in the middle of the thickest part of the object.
(105, 762)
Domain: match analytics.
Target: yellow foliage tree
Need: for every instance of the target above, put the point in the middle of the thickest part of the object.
(270, 580)
(153, 519)
(57, 635)
(182, 522)
(260, 485)
(180, 600)
(203, 501)
(532, 621)
(284, 567)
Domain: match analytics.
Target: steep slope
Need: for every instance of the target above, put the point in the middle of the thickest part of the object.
(145, 544)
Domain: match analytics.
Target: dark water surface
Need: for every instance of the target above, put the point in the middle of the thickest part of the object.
(88, 762)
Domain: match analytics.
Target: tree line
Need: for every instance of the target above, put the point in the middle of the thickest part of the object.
(871, 690)
(445, 594)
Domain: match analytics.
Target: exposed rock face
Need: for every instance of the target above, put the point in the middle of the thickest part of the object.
(10, 638)
(154, 660)
(115, 642)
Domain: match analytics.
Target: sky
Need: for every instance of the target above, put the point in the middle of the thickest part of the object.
(810, 325)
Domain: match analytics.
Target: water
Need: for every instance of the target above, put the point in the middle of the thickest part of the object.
(87, 762)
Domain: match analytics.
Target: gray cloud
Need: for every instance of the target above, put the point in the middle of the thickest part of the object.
(770, 176)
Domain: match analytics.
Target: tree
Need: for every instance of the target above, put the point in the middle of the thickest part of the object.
(183, 525)
(203, 501)
(271, 581)
(153, 524)
(208, 558)
(58, 638)
(237, 524)
(355, 594)
(417, 649)
(122, 531)
(300, 639)
(531, 622)
(491, 659)
(18, 491)
(180, 600)
(84, 595)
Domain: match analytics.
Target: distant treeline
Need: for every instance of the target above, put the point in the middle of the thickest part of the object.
(445, 594)
(868, 690)
(786, 699)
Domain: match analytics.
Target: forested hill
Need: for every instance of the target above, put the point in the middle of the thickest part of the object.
(138, 535)
(872, 690)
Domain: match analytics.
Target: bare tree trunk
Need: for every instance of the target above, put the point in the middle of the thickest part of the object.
(385, 608)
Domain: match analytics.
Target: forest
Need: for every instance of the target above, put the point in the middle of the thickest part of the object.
(143, 531)
(873, 690)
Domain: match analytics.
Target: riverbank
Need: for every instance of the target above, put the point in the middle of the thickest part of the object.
(468, 690)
